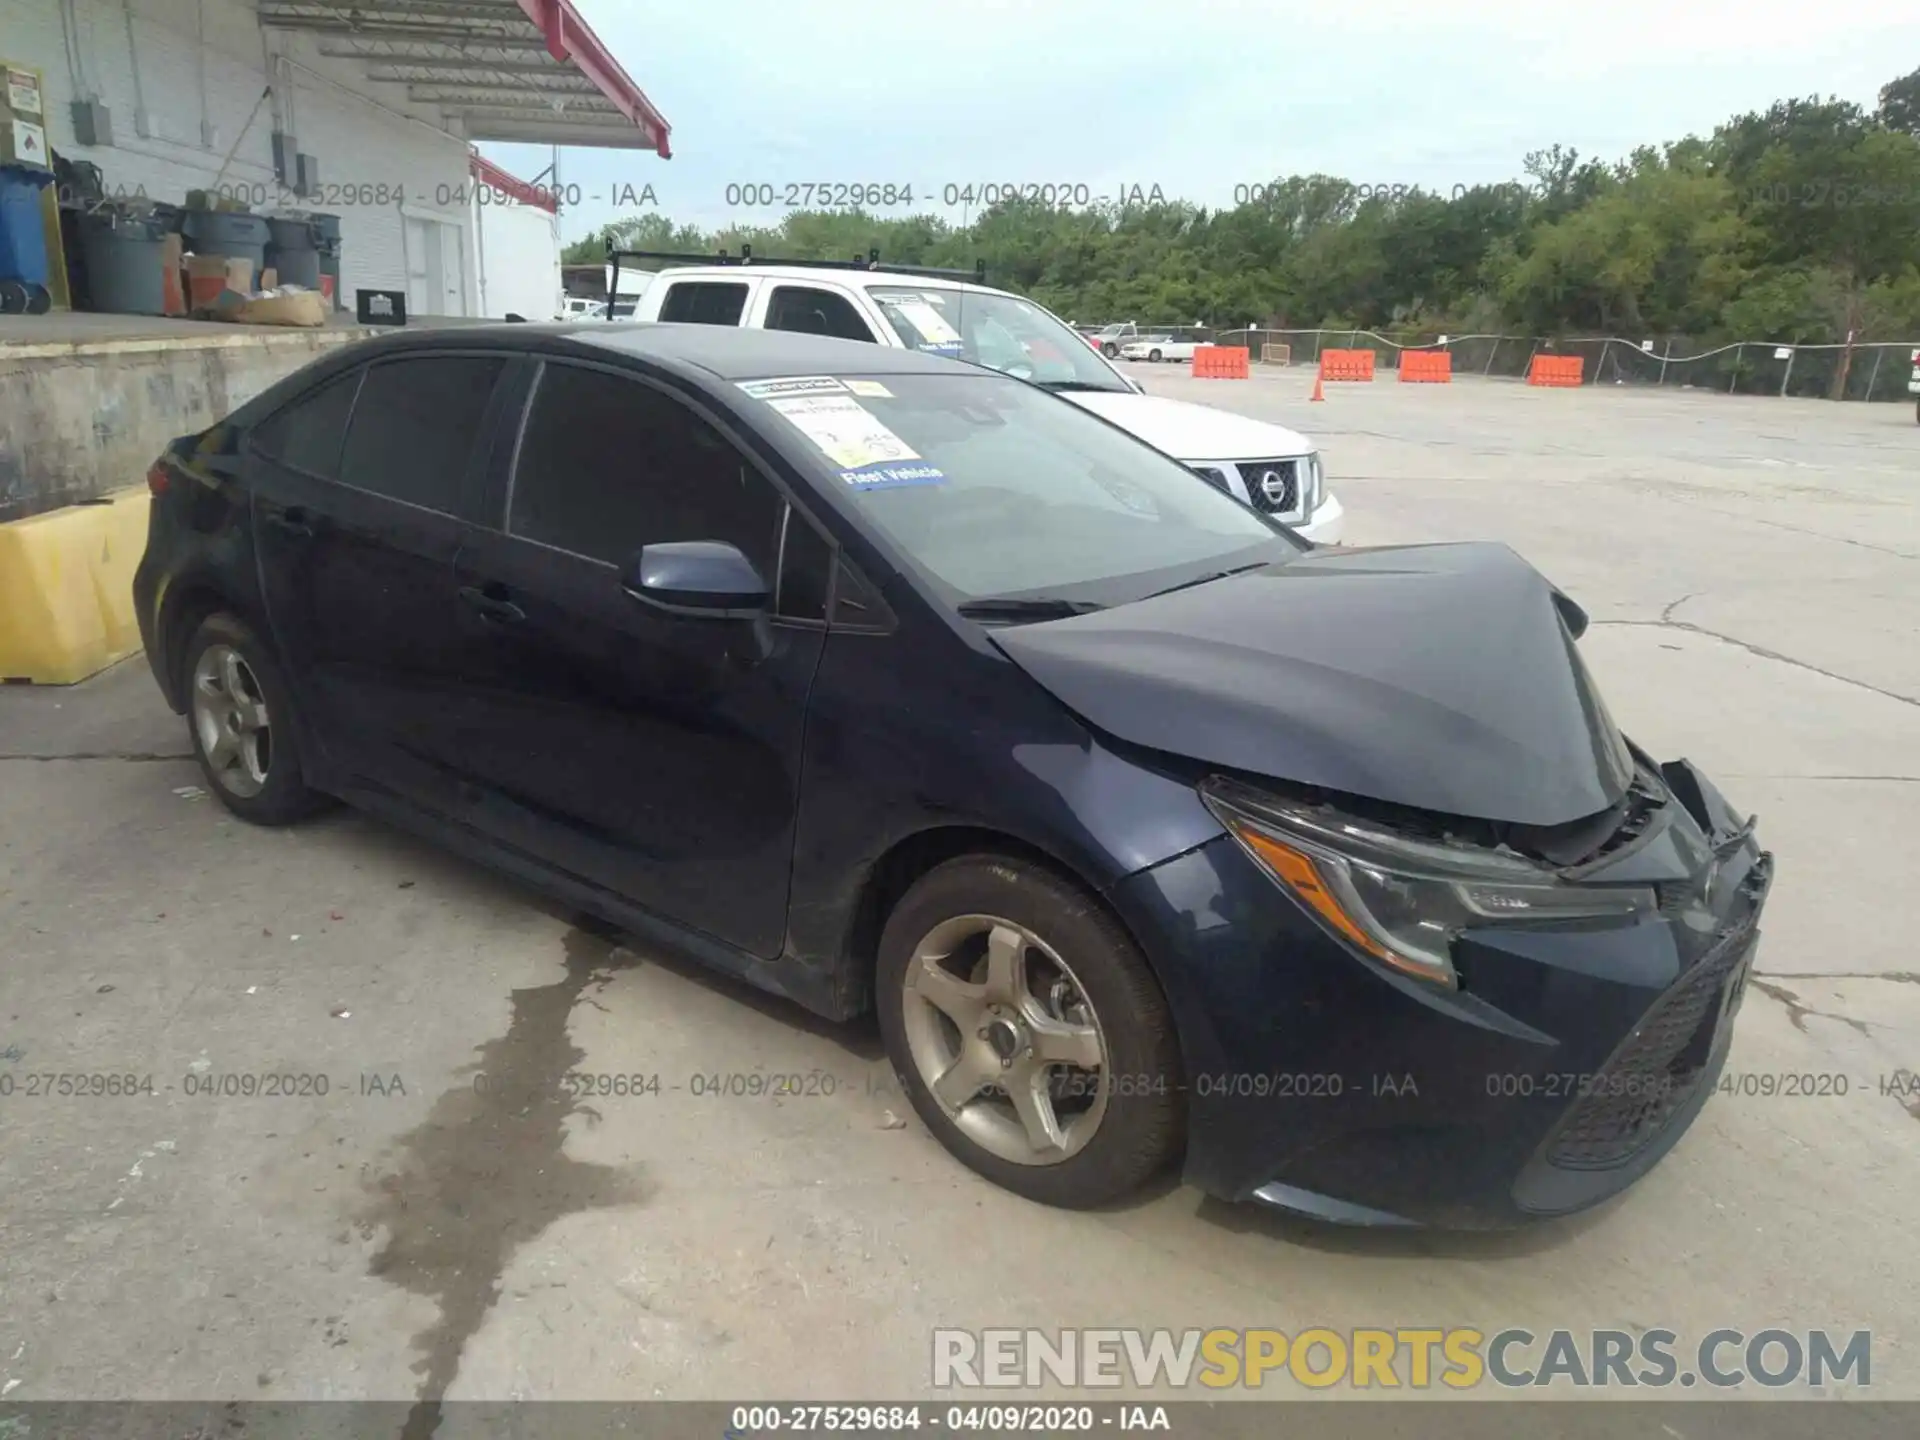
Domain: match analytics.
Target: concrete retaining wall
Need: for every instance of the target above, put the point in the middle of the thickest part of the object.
(82, 419)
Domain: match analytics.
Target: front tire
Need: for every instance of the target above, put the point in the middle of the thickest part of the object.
(1029, 1033)
(240, 716)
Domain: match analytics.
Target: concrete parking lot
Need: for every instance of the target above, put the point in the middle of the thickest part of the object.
(442, 1222)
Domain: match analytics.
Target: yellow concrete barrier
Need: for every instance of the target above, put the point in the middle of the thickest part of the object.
(66, 589)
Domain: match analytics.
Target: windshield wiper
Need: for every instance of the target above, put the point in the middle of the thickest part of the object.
(1032, 607)
(1209, 579)
(1077, 385)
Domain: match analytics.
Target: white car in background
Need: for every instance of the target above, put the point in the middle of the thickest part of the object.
(1276, 470)
(1155, 348)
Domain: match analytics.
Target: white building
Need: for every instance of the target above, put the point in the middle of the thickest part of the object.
(366, 109)
(516, 241)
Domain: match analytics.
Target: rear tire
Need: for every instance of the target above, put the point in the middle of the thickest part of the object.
(240, 717)
(990, 969)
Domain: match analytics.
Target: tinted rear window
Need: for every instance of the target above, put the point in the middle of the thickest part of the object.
(306, 435)
(703, 302)
(415, 427)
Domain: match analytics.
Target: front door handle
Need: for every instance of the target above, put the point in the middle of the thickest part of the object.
(293, 520)
(492, 607)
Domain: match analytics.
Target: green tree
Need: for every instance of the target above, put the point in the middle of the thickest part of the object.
(1800, 222)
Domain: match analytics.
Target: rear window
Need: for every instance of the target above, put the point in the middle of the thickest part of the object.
(704, 302)
(306, 435)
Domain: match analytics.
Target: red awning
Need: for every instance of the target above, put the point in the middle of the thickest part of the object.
(502, 182)
(530, 71)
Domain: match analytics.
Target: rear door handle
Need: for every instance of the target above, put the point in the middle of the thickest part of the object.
(293, 520)
(491, 607)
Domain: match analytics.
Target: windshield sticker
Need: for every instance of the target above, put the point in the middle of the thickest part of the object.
(872, 388)
(792, 385)
(930, 323)
(893, 477)
(847, 433)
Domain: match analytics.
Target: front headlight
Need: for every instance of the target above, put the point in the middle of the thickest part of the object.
(1400, 900)
(1316, 483)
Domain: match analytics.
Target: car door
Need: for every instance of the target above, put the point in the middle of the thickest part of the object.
(356, 541)
(656, 756)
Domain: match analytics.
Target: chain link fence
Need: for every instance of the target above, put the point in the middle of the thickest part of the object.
(1878, 370)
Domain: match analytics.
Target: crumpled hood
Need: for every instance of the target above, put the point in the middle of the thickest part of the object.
(1442, 677)
(1191, 432)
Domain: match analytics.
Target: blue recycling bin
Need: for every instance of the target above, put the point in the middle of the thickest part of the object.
(23, 244)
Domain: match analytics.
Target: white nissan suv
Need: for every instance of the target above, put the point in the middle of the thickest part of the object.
(1269, 467)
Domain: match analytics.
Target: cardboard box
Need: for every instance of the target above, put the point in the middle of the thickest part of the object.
(304, 307)
(234, 272)
(173, 287)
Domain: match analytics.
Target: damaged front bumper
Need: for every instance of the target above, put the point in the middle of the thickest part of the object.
(1568, 1061)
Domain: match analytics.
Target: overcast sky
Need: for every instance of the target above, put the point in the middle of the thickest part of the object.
(1195, 96)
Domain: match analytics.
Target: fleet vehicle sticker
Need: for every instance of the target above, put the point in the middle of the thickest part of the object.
(893, 477)
(847, 433)
(871, 388)
(792, 385)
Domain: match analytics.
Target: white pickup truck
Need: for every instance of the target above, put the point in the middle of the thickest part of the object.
(1155, 348)
(1273, 469)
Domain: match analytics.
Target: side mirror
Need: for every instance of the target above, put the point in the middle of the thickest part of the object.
(705, 579)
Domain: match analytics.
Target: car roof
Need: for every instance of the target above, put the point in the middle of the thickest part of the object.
(724, 351)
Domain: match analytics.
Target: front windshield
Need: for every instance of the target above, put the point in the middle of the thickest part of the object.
(1002, 332)
(995, 489)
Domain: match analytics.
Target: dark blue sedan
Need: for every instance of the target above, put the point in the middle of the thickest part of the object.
(1152, 834)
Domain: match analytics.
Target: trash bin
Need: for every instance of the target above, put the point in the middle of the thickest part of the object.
(126, 261)
(232, 233)
(293, 250)
(23, 242)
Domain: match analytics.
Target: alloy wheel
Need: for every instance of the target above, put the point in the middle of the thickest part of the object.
(231, 721)
(1004, 1038)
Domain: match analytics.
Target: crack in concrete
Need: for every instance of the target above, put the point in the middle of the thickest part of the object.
(107, 755)
(486, 1173)
(1798, 1010)
(1752, 649)
(1666, 615)
(1895, 977)
(1812, 534)
(1887, 779)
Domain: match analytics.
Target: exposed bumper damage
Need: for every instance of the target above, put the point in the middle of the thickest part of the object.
(1570, 1058)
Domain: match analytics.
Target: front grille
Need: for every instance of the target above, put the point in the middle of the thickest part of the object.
(1213, 478)
(1656, 1071)
(1272, 485)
